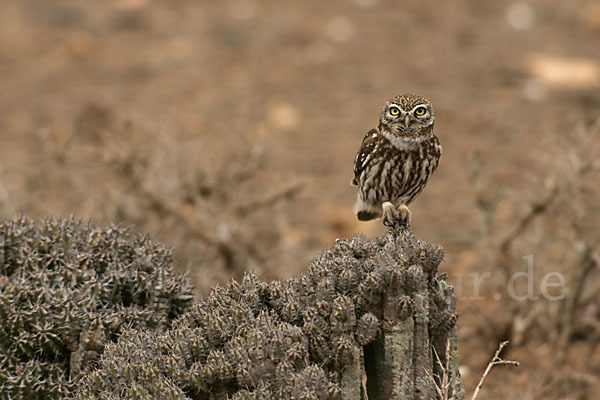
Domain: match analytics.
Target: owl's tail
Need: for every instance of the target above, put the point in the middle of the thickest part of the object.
(366, 211)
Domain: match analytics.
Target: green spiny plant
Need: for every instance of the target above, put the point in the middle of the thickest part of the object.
(300, 338)
(67, 289)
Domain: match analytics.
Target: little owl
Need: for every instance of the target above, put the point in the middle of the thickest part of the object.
(396, 159)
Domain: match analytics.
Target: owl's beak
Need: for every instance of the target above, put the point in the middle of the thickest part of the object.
(406, 120)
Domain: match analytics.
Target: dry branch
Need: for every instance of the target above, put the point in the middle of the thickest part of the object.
(496, 360)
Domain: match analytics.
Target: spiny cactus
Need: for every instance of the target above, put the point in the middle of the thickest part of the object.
(300, 338)
(67, 289)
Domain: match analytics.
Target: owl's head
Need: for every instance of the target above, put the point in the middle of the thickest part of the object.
(407, 116)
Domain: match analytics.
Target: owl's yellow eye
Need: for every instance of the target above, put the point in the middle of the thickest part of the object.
(394, 110)
(420, 111)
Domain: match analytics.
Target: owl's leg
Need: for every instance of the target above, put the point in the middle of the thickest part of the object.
(393, 216)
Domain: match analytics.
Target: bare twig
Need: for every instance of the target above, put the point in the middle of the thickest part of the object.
(589, 260)
(443, 387)
(496, 360)
(536, 209)
(269, 201)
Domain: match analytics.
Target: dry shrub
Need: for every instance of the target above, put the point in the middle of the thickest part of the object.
(215, 206)
(555, 232)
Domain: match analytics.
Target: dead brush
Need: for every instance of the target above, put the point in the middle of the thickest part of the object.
(217, 210)
(559, 227)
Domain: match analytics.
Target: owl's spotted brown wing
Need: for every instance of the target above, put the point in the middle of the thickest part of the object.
(362, 157)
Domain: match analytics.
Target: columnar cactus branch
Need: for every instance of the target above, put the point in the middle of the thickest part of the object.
(351, 380)
(302, 338)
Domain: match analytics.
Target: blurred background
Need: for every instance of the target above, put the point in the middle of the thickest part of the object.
(227, 130)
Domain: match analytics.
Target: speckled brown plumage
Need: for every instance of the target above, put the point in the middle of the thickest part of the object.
(397, 158)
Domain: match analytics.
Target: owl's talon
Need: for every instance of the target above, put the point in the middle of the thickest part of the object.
(396, 217)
